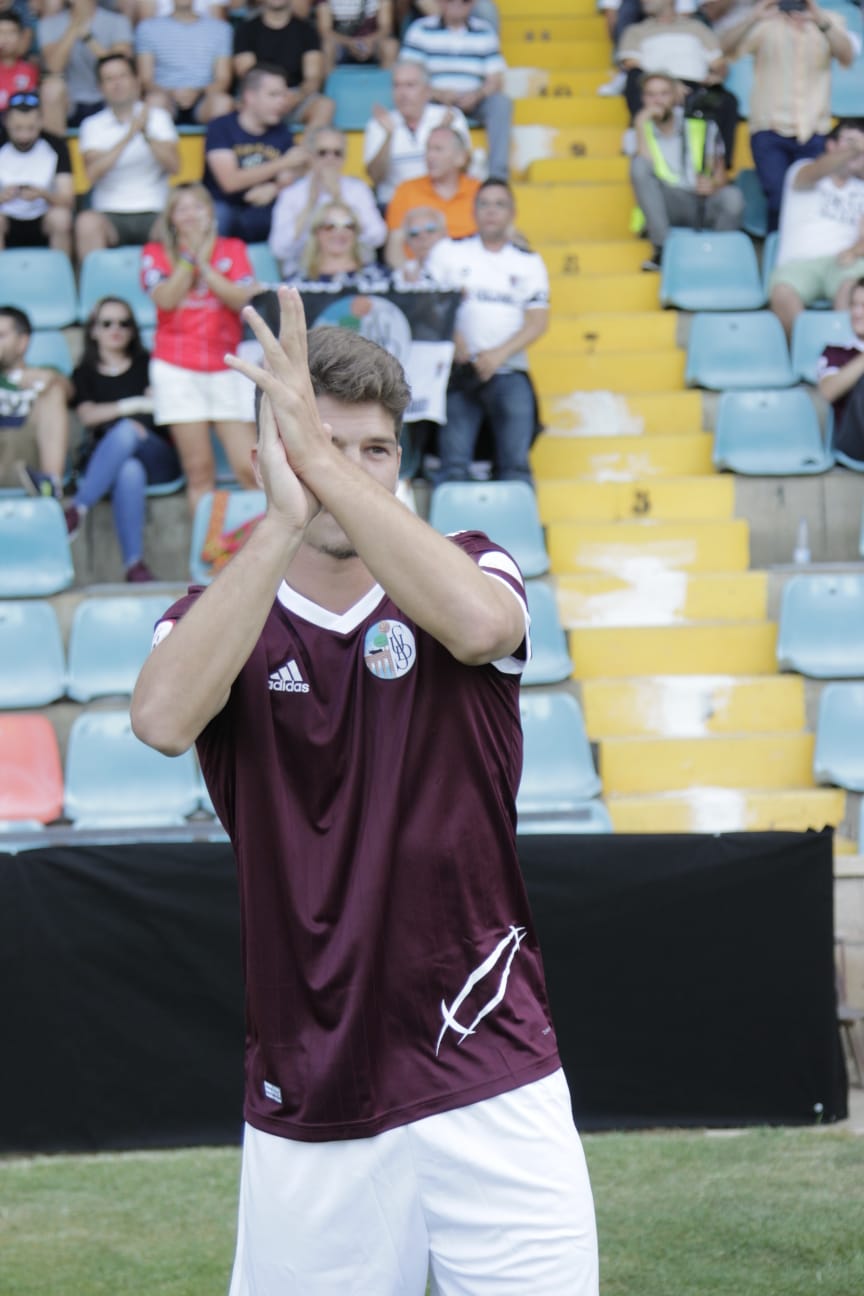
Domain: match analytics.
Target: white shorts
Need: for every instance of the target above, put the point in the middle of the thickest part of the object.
(484, 1200)
(189, 396)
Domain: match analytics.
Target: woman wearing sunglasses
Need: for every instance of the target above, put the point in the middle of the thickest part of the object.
(123, 451)
(333, 253)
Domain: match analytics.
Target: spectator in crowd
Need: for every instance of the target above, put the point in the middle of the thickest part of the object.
(840, 373)
(790, 104)
(184, 62)
(26, 15)
(129, 150)
(408, 11)
(250, 155)
(34, 423)
(394, 142)
(679, 171)
(17, 74)
(123, 451)
(686, 49)
(72, 43)
(279, 35)
(356, 31)
(199, 283)
(445, 186)
(820, 252)
(504, 311)
(37, 193)
(162, 9)
(324, 182)
(621, 14)
(333, 253)
(462, 56)
(422, 229)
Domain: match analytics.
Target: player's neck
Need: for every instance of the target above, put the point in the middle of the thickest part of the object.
(335, 584)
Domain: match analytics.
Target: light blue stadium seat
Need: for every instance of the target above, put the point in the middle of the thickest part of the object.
(506, 511)
(113, 780)
(755, 220)
(770, 434)
(587, 817)
(354, 90)
(34, 548)
(847, 89)
(839, 754)
(710, 271)
(242, 506)
(558, 771)
(32, 661)
(109, 642)
(739, 80)
(116, 272)
(48, 350)
(821, 630)
(813, 331)
(40, 282)
(737, 350)
(550, 659)
(264, 265)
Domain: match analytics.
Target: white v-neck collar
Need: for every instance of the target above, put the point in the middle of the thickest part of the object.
(341, 622)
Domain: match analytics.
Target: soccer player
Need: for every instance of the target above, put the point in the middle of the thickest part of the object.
(351, 679)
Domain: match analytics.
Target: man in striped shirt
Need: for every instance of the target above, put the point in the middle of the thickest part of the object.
(462, 57)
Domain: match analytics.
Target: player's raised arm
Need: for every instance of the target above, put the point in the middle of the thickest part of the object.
(476, 617)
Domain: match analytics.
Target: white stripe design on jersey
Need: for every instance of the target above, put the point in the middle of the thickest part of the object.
(514, 939)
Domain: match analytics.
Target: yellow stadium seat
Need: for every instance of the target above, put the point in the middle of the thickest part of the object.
(558, 213)
(533, 143)
(576, 110)
(578, 170)
(706, 648)
(592, 53)
(667, 598)
(558, 83)
(639, 549)
(548, 9)
(705, 810)
(643, 765)
(637, 371)
(609, 414)
(531, 31)
(577, 294)
(600, 334)
(670, 706)
(563, 499)
(622, 456)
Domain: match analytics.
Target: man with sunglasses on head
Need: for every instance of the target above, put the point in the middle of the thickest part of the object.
(37, 193)
(324, 182)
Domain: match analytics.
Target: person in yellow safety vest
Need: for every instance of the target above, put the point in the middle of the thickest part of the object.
(679, 171)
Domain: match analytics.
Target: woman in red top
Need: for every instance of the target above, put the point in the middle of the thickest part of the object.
(199, 283)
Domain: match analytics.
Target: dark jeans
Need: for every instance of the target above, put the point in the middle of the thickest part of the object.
(849, 428)
(773, 155)
(507, 401)
(252, 224)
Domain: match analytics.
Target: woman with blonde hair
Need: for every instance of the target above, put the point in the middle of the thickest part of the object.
(333, 246)
(199, 283)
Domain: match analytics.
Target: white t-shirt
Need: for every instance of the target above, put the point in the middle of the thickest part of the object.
(286, 243)
(498, 288)
(685, 48)
(34, 166)
(136, 182)
(407, 147)
(821, 221)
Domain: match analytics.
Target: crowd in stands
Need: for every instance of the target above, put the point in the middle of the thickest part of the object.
(132, 77)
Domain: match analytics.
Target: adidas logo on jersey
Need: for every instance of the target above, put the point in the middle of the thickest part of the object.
(287, 679)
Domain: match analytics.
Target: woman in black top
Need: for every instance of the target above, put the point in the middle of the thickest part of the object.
(124, 452)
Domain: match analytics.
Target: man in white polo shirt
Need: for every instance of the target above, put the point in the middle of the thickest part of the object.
(129, 151)
(505, 309)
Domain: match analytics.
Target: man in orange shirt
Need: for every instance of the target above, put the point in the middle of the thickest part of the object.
(445, 187)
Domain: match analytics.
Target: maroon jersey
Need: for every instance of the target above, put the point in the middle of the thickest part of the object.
(367, 780)
(832, 359)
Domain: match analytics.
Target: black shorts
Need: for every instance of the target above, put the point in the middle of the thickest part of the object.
(25, 233)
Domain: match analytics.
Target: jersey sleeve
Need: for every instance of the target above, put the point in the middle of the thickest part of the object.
(154, 265)
(175, 613)
(240, 270)
(499, 565)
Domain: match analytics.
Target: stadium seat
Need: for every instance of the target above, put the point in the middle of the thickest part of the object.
(550, 658)
(737, 350)
(32, 662)
(506, 511)
(40, 282)
(769, 260)
(588, 817)
(31, 777)
(558, 771)
(821, 631)
(34, 548)
(116, 272)
(814, 330)
(114, 780)
(243, 505)
(49, 350)
(839, 754)
(770, 434)
(264, 264)
(739, 81)
(755, 220)
(354, 90)
(706, 270)
(847, 89)
(108, 643)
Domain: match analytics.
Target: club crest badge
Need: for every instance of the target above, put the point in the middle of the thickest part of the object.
(389, 650)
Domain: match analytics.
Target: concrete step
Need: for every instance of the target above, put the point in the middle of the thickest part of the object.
(703, 648)
(669, 598)
(667, 499)
(711, 809)
(614, 414)
(636, 550)
(694, 706)
(623, 458)
(640, 766)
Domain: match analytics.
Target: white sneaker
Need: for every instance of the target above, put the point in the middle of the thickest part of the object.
(615, 86)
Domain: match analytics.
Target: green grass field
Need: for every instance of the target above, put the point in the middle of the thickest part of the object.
(761, 1213)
